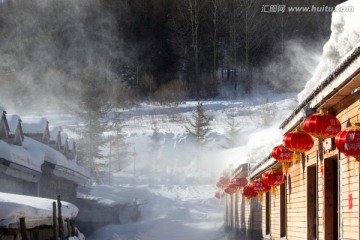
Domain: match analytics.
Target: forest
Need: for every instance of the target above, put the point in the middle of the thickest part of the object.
(159, 50)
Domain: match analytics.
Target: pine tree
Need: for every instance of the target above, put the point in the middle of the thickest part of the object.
(92, 112)
(120, 154)
(200, 126)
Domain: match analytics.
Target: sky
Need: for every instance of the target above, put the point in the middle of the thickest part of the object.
(174, 186)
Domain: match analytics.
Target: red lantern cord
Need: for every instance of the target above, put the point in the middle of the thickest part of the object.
(283, 155)
(322, 125)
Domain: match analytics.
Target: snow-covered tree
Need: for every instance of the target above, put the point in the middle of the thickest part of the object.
(200, 126)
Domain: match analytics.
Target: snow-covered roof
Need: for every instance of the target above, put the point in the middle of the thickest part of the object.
(34, 124)
(331, 84)
(36, 211)
(21, 156)
(48, 154)
(345, 36)
(13, 121)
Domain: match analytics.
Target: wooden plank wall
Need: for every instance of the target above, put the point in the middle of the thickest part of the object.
(275, 215)
(296, 202)
(350, 179)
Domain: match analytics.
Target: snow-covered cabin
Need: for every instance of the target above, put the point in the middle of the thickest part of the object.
(36, 128)
(16, 135)
(4, 127)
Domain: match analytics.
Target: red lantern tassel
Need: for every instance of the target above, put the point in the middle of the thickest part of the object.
(260, 196)
(274, 190)
(286, 167)
(296, 157)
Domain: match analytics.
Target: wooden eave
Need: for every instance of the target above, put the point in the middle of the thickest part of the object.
(341, 83)
(242, 170)
(262, 166)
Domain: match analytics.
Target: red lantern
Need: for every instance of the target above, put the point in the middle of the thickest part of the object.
(238, 183)
(260, 187)
(248, 192)
(322, 125)
(273, 178)
(283, 155)
(298, 142)
(229, 189)
(223, 182)
(348, 142)
(218, 195)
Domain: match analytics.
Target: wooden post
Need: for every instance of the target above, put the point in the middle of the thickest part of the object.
(72, 227)
(55, 235)
(60, 220)
(68, 227)
(23, 229)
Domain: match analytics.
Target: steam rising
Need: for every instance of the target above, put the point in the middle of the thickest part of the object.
(46, 46)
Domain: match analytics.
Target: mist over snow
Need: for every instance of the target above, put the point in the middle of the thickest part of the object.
(345, 35)
(174, 185)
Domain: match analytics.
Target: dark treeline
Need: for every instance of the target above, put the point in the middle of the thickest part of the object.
(199, 46)
(165, 50)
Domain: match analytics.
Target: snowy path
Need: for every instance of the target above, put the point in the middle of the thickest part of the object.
(177, 212)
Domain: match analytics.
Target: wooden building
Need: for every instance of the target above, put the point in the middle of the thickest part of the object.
(320, 199)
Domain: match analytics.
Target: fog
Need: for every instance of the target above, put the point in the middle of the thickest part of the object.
(46, 47)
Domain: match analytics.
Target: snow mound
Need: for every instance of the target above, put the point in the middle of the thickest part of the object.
(345, 36)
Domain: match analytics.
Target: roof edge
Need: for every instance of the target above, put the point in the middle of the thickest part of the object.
(335, 73)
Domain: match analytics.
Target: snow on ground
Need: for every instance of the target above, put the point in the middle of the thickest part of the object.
(175, 186)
